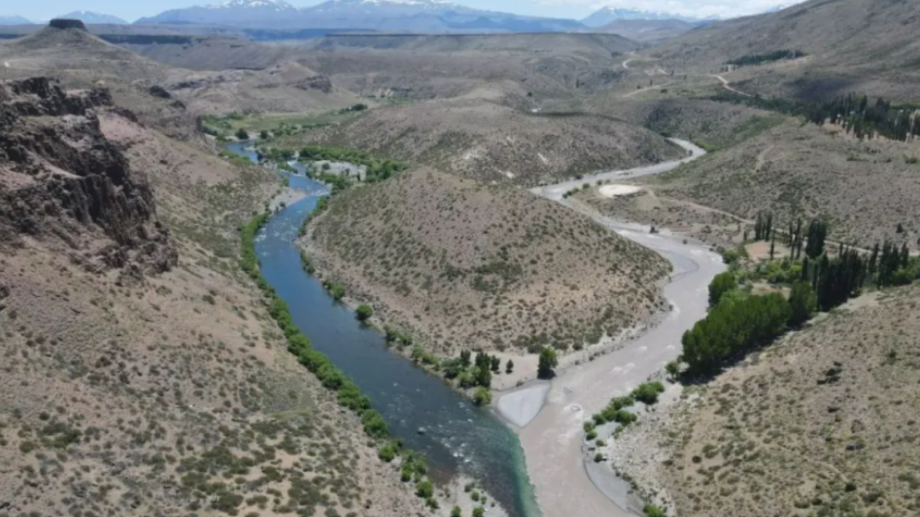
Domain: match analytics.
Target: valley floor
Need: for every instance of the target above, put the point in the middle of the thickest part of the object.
(566, 483)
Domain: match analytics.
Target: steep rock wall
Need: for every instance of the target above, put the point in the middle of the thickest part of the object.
(61, 179)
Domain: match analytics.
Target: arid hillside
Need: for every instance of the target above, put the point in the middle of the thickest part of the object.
(163, 93)
(426, 67)
(850, 45)
(865, 188)
(530, 43)
(479, 136)
(143, 374)
(462, 264)
(822, 423)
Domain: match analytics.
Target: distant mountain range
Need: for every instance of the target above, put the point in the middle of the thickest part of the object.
(376, 15)
(90, 17)
(606, 15)
(381, 15)
(14, 20)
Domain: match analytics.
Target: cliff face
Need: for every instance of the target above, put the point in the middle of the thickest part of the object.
(61, 180)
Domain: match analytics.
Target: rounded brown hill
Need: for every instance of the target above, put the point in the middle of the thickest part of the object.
(466, 265)
(477, 136)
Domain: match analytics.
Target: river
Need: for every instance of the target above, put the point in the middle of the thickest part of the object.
(458, 437)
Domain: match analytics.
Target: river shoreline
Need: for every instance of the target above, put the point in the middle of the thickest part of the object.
(565, 482)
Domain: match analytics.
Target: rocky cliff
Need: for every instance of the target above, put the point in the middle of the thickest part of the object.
(62, 181)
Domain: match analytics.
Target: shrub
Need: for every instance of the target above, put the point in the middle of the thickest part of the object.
(424, 489)
(651, 510)
(336, 290)
(241, 134)
(482, 396)
(364, 312)
(648, 392)
(509, 367)
(479, 511)
(455, 511)
(389, 451)
(673, 369)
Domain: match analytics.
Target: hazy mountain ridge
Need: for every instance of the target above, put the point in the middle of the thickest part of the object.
(14, 20)
(607, 15)
(415, 15)
(92, 17)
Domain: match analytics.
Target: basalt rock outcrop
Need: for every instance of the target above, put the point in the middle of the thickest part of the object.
(62, 181)
(65, 23)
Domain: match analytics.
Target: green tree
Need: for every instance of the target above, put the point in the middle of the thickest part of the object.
(733, 329)
(721, 284)
(803, 303)
(364, 312)
(496, 364)
(241, 134)
(465, 358)
(509, 367)
(264, 135)
(548, 362)
(482, 396)
(456, 511)
(483, 376)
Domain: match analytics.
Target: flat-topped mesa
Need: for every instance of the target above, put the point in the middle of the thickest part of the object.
(64, 23)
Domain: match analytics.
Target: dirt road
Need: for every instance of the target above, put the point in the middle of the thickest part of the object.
(553, 439)
(728, 86)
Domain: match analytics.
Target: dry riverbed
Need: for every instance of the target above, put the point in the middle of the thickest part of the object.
(553, 440)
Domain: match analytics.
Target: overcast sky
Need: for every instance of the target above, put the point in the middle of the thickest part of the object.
(132, 9)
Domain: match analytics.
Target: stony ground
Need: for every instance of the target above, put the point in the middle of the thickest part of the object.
(466, 265)
(823, 423)
(865, 188)
(167, 393)
(481, 136)
(713, 227)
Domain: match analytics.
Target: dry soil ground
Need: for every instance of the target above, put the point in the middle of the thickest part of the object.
(466, 265)
(821, 423)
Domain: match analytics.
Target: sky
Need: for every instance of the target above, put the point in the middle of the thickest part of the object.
(130, 10)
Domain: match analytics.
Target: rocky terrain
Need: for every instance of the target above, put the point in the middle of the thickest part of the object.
(63, 178)
(718, 229)
(85, 60)
(462, 264)
(137, 380)
(849, 45)
(822, 423)
(480, 136)
(865, 188)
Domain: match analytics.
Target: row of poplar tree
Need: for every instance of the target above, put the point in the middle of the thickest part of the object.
(857, 115)
(734, 328)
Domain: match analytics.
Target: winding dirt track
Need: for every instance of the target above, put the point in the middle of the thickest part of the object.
(553, 439)
(728, 86)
